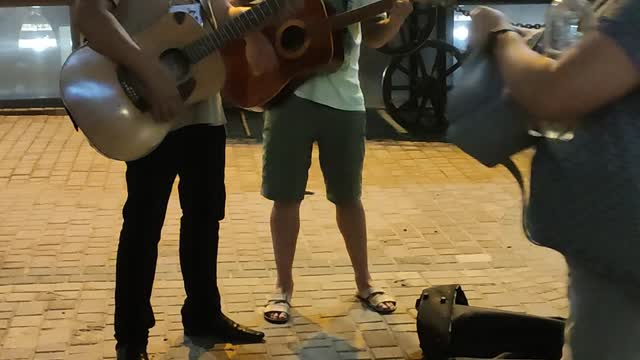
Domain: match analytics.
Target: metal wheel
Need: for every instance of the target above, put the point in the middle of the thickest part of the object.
(415, 93)
(414, 32)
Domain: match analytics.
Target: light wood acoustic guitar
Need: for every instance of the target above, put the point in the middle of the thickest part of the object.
(306, 43)
(105, 100)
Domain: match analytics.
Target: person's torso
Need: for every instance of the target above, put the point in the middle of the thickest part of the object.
(585, 194)
(341, 89)
(137, 15)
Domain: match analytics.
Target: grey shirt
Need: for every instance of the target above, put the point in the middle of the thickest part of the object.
(135, 16)
(585, 194)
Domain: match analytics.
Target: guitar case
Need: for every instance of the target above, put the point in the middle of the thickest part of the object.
(449, 328)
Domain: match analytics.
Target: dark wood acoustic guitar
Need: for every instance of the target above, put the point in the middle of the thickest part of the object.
(306, 43)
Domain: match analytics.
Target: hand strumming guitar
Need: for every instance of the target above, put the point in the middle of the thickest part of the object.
(95, 20)
(161, 92)
(261, 55)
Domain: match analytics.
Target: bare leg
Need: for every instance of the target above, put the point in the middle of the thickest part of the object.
(285, 226)
(353, 226)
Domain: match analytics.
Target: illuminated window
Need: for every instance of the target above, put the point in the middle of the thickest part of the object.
(34, 43)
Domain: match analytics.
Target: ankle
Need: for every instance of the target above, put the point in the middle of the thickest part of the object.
(364, 284)
(285, 288)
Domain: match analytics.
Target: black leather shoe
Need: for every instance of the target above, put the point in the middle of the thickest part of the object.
(126, 353)
(226, 331)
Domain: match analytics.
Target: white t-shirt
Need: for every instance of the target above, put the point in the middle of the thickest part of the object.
(137, 15)
(341, 89)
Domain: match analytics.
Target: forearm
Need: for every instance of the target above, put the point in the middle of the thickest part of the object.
(108, 37)
(528, 75)
(377, 34)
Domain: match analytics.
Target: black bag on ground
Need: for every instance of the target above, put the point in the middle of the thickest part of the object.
(448, 327)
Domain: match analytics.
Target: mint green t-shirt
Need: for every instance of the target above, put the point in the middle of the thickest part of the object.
(341, 89)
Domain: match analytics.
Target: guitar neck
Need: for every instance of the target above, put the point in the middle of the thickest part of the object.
(234, 29)
(342, 20)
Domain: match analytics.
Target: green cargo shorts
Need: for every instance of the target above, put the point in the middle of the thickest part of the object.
(291, 128)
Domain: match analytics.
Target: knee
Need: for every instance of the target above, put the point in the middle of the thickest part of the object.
(205, 209)
(145, 222)
(286, 207)
(203, 215)
(348, 205)
(287, 204)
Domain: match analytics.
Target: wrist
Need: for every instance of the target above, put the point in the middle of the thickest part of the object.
(396, 19)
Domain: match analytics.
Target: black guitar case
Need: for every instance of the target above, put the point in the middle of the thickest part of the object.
(448, 328)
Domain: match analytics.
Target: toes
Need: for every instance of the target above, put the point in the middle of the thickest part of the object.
(386, 306)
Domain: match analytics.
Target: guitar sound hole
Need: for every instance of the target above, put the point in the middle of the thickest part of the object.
(177, 64)
(293, 38)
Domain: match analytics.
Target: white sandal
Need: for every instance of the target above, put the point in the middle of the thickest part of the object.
(374, 298)
(277, 304)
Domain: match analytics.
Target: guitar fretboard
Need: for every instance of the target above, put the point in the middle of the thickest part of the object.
(234, 29)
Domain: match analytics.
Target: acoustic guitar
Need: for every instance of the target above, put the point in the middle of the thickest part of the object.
(105, 100)
(306, 43)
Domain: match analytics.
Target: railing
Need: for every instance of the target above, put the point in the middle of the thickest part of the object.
(415, 93)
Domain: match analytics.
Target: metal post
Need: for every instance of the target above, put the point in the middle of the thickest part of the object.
(414, 27)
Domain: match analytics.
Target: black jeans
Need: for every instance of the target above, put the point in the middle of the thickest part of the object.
(197, 155)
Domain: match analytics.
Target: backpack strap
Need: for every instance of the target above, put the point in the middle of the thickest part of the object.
(515, 172)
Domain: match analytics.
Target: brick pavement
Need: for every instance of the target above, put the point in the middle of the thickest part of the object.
(434, 217)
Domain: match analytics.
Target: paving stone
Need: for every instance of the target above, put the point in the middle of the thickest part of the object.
(399, 319)
(388, 353)
(21, 338)
(373, 326)
(15, 354)
(48, 355)
(283, 349)
(318, 353)
(435, 216)
(27, 321)
(379, 338)
(355, 355)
